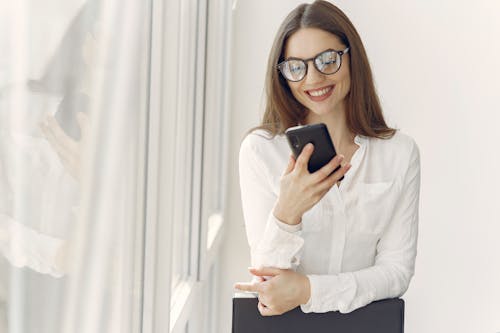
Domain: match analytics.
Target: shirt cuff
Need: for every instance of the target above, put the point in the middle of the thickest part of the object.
(330, 293)
(293, 228)
(23, 246)
(278, 248)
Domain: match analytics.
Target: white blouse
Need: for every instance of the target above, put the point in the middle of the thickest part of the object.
(359, 242)
(37, 203)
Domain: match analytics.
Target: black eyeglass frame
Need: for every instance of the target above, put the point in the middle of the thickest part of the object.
(306, 63)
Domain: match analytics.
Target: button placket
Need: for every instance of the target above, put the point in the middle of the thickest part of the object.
(338, 232)
(338, 208)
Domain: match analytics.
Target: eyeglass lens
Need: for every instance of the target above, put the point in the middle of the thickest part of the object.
(327, 62)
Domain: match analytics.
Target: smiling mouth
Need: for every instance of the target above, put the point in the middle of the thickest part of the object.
(320, 94)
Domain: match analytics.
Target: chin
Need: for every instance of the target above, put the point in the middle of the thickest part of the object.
(321, 112)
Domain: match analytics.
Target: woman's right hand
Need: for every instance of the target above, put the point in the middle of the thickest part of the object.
(68, 149)
(301, 190)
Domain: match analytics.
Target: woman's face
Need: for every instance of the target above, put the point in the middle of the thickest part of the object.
(319, 93)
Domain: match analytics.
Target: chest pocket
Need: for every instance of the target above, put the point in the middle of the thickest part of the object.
(374, 206)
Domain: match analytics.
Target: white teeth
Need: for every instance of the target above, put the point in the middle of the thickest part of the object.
(321, 92)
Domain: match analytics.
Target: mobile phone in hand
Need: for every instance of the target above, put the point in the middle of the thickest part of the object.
(317, 134)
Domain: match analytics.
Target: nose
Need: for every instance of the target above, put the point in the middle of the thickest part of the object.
(313, 75)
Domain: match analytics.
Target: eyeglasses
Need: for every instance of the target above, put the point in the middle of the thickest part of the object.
(327, 62)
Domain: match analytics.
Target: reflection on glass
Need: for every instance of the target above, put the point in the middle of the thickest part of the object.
(71, 102)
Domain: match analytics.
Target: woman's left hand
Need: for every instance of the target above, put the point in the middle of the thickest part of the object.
(284, 290)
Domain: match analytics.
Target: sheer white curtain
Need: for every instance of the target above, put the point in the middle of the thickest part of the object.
(73, 115)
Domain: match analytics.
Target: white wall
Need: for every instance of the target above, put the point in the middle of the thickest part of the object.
(436, 66)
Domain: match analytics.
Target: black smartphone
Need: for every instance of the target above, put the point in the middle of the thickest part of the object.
(317, 134)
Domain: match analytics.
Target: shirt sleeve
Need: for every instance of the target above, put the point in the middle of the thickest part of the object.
(272, 242)
(25, 247)
(394, 265)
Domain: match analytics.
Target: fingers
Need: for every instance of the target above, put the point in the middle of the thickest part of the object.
(290, 166)
(247, 286)
(58, 132)
(83, 121)
(304, 157)
(264, 310)
(328, 168)
(66, 148)
(325, 185)
(264, 271)
(257, 279)
(337, 175)
(60, 147)
(60, 142)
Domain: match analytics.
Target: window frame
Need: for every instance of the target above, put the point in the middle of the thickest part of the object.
(165, 309)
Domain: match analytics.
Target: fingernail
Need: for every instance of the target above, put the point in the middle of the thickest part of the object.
(341, 157)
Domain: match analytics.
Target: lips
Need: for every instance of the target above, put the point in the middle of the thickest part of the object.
(320, 94)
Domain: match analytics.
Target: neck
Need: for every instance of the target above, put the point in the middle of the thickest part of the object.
(337, 127)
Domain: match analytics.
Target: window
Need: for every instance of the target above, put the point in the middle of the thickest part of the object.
(188, 116)
(72, 147)
(142, 227)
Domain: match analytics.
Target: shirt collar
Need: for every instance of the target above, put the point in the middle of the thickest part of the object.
(360, 140)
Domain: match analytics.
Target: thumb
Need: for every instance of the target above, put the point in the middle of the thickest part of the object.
(265, 271)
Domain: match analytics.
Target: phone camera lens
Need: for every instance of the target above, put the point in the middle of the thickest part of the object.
(295, 141)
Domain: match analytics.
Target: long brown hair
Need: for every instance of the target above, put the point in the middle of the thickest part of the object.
(363, 111)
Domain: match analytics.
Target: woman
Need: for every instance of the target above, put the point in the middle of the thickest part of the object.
(316, 241)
